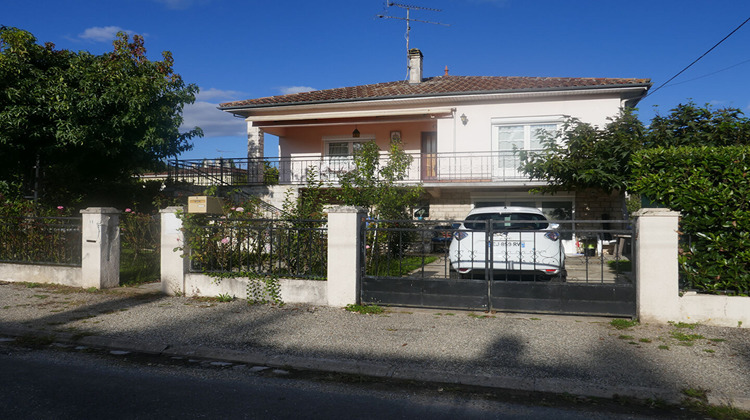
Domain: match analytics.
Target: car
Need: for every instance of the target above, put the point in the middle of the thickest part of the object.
(442, 236)
(523, 242)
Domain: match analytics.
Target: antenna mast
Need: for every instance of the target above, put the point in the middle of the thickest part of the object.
(408, 18)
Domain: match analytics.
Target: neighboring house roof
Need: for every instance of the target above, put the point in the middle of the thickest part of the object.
(439, 86)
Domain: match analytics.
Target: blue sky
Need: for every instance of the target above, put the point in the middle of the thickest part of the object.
(237, 50)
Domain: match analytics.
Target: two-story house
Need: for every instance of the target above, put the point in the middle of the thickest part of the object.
(462, 132)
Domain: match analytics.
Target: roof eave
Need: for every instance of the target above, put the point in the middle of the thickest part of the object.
(645, 87)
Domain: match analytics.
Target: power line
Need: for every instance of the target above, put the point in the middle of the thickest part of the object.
(698, 59)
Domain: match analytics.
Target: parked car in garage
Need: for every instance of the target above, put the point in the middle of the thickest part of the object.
(508, 240)
(442, 235)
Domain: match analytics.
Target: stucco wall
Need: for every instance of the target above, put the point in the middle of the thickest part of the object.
(476, 135)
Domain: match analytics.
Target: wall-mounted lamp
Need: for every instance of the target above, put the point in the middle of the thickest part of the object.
(355, 133)
(464, 119)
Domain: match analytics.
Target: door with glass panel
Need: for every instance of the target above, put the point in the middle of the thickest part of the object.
(339, 159)
(429, 155)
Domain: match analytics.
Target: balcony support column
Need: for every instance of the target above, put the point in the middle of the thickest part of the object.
(255, 153)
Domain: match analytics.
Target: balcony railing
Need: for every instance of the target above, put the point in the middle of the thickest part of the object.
(466, 167)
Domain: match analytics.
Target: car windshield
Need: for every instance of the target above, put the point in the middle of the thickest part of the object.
(506, 221)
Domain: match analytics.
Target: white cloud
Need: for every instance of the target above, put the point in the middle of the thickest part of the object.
(286, 90)
(101, 33)
(204, 113)
(215, 123)
(222, 95)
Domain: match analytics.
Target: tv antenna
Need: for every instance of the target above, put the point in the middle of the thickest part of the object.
(408, 18)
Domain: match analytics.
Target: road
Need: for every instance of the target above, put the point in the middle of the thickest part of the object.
(56, 382)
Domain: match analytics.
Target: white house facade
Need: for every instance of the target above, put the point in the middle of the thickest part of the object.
(462, 131)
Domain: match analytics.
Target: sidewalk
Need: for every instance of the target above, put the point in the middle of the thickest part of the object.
(576, 355)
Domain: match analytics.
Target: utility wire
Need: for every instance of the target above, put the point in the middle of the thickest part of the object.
(698, 59)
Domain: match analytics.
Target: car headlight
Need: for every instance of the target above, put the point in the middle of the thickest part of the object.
(460, 235)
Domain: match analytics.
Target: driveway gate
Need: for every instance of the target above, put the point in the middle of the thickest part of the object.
(408, 263)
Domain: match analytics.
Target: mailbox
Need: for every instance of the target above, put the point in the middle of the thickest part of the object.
(205, 205)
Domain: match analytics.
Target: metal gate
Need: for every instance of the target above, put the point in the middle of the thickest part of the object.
(409, 263)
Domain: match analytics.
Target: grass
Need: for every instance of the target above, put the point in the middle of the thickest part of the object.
(365, 309)
(398, 267)
(225, 297)
(135, 270)
(683, 325)
(623, 324)
(680, 336)
(697, 400)
(621, 266)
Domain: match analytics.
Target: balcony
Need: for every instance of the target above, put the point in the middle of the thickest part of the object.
(500, 168)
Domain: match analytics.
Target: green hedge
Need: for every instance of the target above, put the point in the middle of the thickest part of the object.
(710, 186)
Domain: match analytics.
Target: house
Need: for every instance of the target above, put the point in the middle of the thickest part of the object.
(462, 132)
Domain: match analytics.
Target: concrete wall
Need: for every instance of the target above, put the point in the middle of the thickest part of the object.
(33, 273)
(100, 256)
(658, 279)
(311, 292)
(476, 135)
(340, 289)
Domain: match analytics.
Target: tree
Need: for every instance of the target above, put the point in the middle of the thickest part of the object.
(581, 156)
(75, 125)
(376, 186)
(689, 125)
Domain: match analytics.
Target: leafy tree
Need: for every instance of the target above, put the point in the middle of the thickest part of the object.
(75, 125)
(581, 156)
(376, 186)
(689, 125)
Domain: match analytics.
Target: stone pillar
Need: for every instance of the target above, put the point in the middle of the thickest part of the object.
(173, 265)
(657, 288)
(100, 232)
(255, 153)
(344, 254)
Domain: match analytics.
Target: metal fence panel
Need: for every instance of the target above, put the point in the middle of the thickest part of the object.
(41, 240)
(262, 247)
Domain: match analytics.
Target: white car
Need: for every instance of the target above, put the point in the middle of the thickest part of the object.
(523, 242)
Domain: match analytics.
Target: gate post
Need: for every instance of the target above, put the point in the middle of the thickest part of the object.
(100, 259)
(344, 256)
(657, 274)
(173, 265)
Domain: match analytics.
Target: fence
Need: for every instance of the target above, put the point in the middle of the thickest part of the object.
(80, 252)
(41, 240)
(501, 166)
(583, 251)
(258, 247)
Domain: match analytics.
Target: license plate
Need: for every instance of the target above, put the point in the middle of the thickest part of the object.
(509, 244)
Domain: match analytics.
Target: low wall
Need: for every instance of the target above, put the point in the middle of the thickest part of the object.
(313, 292)
(722, 311)
(30, 273)
(659, 300)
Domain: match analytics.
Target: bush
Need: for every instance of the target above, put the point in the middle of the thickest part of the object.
(710, 186)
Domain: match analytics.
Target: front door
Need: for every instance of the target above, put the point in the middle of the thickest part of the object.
(429, 155)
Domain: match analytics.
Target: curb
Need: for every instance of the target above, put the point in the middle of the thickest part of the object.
(384, 370)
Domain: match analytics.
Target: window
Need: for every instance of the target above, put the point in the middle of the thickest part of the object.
(344, 148)
(523, 137)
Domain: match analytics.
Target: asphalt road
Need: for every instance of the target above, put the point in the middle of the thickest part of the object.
(75, 382)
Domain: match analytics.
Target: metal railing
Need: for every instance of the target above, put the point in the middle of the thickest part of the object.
(460, 167)
(262, 247)
(596, 252)
(41, 240)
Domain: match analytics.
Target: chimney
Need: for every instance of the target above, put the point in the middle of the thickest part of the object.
(415, 66)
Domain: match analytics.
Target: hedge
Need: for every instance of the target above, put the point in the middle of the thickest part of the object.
(710, 187)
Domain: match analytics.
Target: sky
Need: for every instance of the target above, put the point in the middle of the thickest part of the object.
(235, 50)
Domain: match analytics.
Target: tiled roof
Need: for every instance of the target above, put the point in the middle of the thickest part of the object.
(438, 86)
